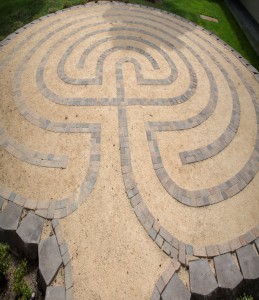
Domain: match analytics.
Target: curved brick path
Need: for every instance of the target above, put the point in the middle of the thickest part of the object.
(126, 56)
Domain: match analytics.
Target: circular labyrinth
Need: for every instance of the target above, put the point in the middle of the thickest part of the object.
(187, 117)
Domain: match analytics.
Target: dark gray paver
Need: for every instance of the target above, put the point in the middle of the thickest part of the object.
(228, 275)
(249, 262)
(49, 260)
(10, 216)
(175, 290)
(55, 293)
(202, 280)
(9, 221)
(29, 232)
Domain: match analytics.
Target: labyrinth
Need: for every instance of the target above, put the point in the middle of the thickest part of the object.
(137, 132)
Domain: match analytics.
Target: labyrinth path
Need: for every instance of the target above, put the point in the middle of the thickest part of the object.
(115, 116)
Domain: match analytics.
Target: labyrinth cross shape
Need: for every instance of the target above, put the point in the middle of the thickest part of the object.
(119, 57)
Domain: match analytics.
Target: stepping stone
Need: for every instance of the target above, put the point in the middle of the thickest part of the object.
(202, 280)
(176, 290)
(9, 221)
(228, 275)
(55, 293)
(249, 262)
(207, 18)
(49, 261)
(29, 232)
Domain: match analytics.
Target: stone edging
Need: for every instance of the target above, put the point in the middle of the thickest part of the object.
(23, 231)
(227, 276)
(61, 208)
(32, 157)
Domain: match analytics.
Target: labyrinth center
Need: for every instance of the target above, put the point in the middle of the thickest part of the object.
(117, 116)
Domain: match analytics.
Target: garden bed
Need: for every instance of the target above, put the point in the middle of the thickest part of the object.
(20, 278)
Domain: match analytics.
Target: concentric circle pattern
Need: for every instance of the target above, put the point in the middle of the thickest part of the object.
(187, 123)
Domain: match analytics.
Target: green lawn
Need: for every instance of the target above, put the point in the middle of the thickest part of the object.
(15, 13)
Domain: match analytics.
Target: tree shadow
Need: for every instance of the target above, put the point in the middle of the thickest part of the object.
(144, 24)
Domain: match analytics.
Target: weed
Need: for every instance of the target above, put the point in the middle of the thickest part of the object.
(4, 259)
(17, 25)
(245, 297)
(67, 4)
(52, 10)
(21, 289)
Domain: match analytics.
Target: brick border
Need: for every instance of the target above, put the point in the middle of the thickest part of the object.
(61, 208)
(99, 68)
(240, 265)
(32, 157)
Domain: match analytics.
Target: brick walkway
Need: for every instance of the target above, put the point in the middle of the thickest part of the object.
(195, 102)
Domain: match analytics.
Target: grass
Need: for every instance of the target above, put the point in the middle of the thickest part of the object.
(4, 259)
(21, 289)
(245, 297)
(16, 13)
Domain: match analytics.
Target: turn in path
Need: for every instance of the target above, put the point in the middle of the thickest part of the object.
(128, 105)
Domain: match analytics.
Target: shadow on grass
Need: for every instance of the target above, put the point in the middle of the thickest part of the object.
(227, 28)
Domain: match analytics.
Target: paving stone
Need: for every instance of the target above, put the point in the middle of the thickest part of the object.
(181, 255)
(68, 276)
(55, 293)
(228, 274)
(235, 244)
(174, 253)
(176, 264)
(1, 202)
(70, 294)
(202, 280)
(155, 294)
(257, 244)
(42, 213)
(249, 262)
(10, 216)
(165, 234)
(212, 250)
(9, 221)
(66, 258)
(168, 273)
(160, 284)
(159, 241)
(175, 290)
(224, 248)
(199, 251)
(29, 232)
(166, 248)
(152, 233)
(190, 258)
(49, 260)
